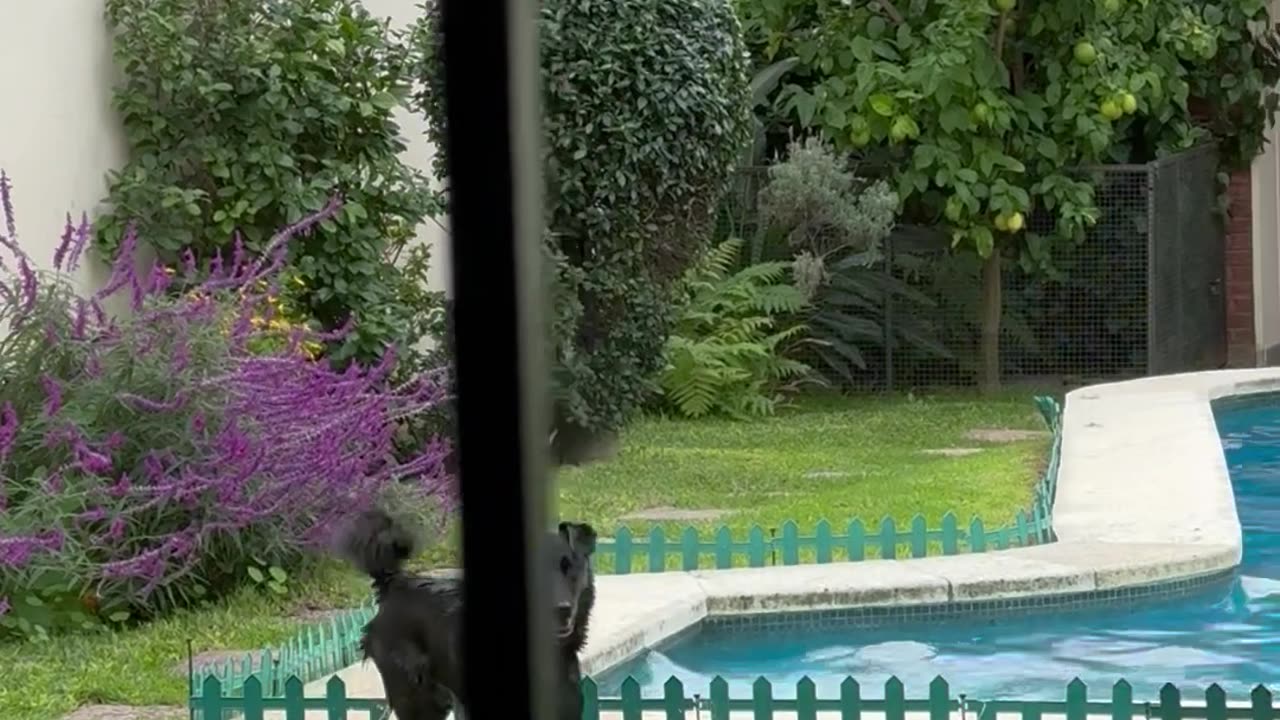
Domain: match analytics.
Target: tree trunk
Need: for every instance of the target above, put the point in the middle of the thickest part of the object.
(989, 368)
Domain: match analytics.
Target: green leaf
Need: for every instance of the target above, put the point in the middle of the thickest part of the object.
(955, 118)
(1048, 148)
(384, 101)
(882, 104)
(255, 574)
(119, 616)
(278, 574)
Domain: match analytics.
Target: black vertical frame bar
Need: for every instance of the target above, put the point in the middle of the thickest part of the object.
(490, 58)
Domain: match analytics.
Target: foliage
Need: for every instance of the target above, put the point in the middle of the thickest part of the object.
(243, 116)
(726, 353)
(834, 225)
(151, 460)
(989, 109)
(645, 114)
(983, 111)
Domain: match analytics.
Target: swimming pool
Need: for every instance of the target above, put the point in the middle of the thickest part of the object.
(1229, 633)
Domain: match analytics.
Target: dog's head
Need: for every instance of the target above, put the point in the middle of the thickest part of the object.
(571, 552)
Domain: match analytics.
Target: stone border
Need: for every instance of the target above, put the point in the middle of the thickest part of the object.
(1143, 500)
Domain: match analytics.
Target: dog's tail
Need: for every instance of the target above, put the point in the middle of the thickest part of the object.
(378, 545)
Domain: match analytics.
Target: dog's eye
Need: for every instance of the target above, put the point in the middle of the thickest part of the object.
(565, 564)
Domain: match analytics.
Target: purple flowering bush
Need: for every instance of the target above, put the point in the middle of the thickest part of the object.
(159, 457)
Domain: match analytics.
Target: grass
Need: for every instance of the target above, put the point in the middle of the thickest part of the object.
(827, 458)
(757, 470)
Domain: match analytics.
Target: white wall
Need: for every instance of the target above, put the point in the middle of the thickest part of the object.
(59, 135)
(1266, 243)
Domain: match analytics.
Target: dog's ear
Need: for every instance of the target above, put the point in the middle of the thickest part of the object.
(580, 536)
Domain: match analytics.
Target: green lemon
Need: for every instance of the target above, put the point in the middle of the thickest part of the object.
(1002, 222)
(1128, 103)
(1006, 5)
(1111, 109)
(955, 209)
(1085, 53)
(1015, 222)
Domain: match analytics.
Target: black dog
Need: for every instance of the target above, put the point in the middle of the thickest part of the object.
(415, 641)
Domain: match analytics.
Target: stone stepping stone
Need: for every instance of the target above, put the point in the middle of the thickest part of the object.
(1004, 435)
(128, 712)
(951, 451)
(672, 514)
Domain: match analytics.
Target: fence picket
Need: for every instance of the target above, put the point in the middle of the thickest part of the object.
(950, 535)
(1215, 703)
(762, 699)
(850, 700)
(295, 706)
(888, 539)
(822, 541)
(209, 704)
(590, 699)
(1260, 704)
(335, 698)
(1077, 700)
(1122, 701)
(253, 706)
(673, 698)
(689, 549)
(719, 698)
(919, 537)
(657, 549)
(939, 699)
(631, 704)
(1170, 702)
(622, 551)
(977, 536)
(856, 541)
(895, 699)
(724, 549)
(790, 543)
(755, 547)
(806, 699)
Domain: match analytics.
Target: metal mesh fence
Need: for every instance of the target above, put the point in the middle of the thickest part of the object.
(1140, 295)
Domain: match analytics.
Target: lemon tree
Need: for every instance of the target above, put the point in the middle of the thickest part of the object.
(984, 107)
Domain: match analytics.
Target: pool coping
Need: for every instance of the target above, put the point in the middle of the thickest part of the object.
(1136, 513)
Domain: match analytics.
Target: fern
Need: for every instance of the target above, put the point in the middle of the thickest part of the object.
(727, 354)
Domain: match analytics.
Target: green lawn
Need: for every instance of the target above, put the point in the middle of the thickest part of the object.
(832, 458)
(867, 448)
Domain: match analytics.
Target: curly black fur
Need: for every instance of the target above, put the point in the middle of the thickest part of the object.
(415, 641)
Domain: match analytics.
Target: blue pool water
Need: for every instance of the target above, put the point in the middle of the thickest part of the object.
(1229, 634)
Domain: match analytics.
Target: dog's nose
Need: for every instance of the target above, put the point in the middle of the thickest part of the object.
(564, 611)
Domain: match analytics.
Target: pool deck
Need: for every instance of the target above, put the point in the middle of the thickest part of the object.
(1143, 497)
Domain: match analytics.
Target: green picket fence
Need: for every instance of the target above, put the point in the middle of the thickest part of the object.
(626, 552)
(252, 703)
(319, 650)
(677, 703)
(940, 704)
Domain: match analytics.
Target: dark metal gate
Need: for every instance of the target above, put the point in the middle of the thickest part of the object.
(1186, 302)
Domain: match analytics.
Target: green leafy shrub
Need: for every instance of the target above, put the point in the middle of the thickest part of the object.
(834, 225)
(727, 352)
(646, 112)
(156, 459)
(241, 117)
